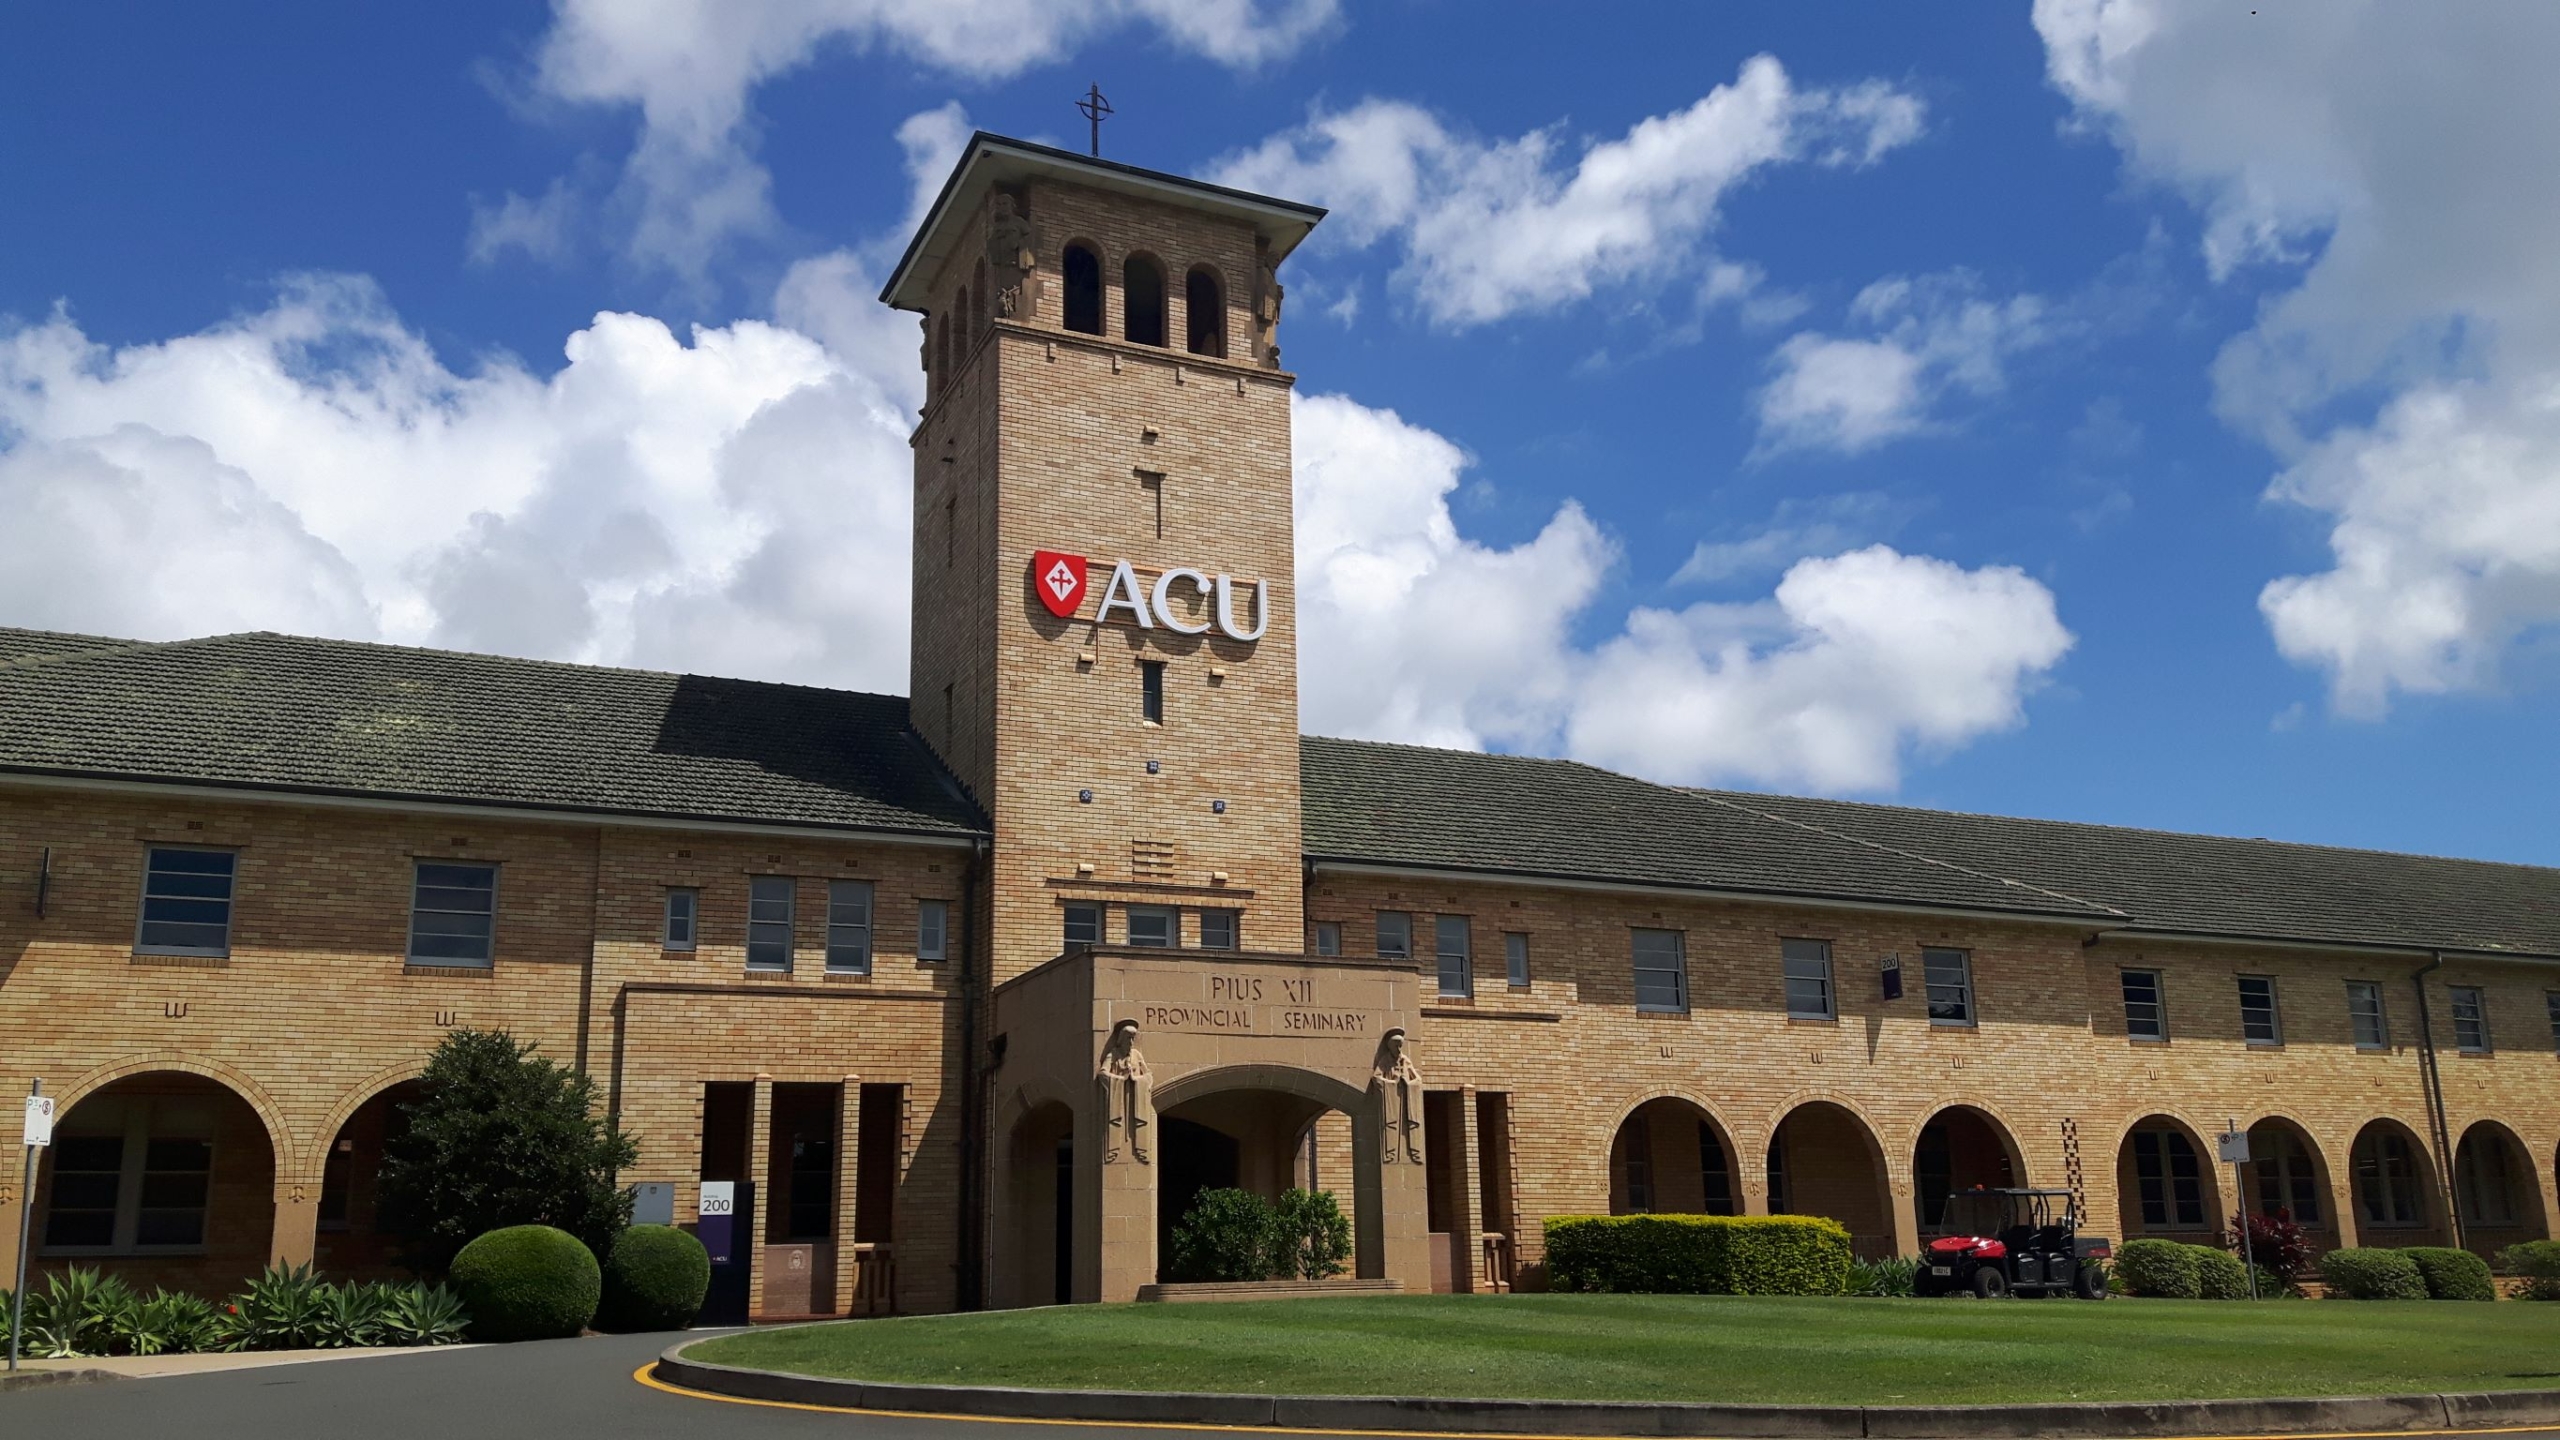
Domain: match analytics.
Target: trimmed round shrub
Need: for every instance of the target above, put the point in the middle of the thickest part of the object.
(2372, 1274)
(654, 1280)
(2160, 1269)
(2219, 1274)
(2538, 1261)
(2452, 1274)
(527, 1282)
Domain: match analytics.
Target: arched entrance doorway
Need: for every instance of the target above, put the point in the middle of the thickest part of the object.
(1960, 1148)
(1253, 1140)
(2287, 1178)
(2495, 1186)
(1040, 1269)
(1670, 1157)
(2165, 1183)
(2395, 1188)
(349, 1243)
(162, 1178)
(1823, 1160)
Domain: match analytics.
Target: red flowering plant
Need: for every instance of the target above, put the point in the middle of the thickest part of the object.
(2278, 1244)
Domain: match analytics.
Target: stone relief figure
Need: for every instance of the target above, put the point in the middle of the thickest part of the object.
(1126, 1090)
(1398, 1087)
(1267, 295)
(1013, 257)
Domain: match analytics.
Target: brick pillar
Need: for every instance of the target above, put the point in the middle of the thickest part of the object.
(848, 1180)
(1122, 1189)
(1466, 1226)
(1902, 1191)
(759, 1156)
(297, 1221)
(1751, 1176)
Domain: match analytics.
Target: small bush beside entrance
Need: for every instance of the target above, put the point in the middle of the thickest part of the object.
(655, 1279)
(1236, 1235)
(1698, 1254)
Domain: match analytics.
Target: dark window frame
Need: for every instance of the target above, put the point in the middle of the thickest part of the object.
(178, 879)
(450, 870)
(762, 924)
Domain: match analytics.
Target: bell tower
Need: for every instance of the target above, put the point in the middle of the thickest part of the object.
(1105, 641)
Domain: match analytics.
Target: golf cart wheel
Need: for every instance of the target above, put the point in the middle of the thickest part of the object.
(1989, 1283)
(2091, 1282)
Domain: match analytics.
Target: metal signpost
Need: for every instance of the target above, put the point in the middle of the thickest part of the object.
(39, 1134)
(2234, 1145)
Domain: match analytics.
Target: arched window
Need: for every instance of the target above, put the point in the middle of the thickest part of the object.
(2286, 1181)
(2387, 1178)
(1082, 270)
(2168, 1180)
(1204, 314)
(960, 330)
(1141, 301)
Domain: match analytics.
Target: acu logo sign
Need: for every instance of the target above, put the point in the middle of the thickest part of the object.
(1060, 579)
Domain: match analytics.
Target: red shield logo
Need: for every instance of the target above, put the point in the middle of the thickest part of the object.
(1060, 580)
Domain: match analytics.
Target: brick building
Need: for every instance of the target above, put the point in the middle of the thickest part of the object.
(970, 991)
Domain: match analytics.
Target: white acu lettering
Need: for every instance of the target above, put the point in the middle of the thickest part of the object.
(1227, 609)
(1123, 589)
(1167, 613)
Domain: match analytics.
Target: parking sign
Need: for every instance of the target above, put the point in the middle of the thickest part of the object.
(2235, 1147)
(39, 1120)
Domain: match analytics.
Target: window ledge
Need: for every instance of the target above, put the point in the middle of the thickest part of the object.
(1955, 1027)
(1678, 1012)
(1813, 1020)
(170, 961)
(2264, 1044)
(843, 975)
(2161, 1040)
(454, 972)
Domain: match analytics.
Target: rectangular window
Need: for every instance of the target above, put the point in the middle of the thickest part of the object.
(684, 907)
(2259, 1024)
(1395, 935)
(1153, 926)
(1328, 937)
(1083, 922)
(1662, 971)
(186, 903)
(933, 930)
(1808, 971)
(1218, 929)
(2365, 1015)
(1151, 690)
(2145, 1017)
(136, 1176)
(87, 1172)
(848, 927)
(453, 914)
(1950, 980)
(2470, 1019)
(1455, 944)
(1515, 958)
(770, 901)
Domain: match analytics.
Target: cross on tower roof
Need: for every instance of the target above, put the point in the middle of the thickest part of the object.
(1095, 108)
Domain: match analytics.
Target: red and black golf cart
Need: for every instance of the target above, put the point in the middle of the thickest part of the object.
(2013, 1242)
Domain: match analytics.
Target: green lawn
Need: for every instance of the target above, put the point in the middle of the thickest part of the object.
(1684, 1347)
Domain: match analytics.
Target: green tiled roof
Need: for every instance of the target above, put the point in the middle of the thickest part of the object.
(1446, 809)
(1456, 809)
(280, 712)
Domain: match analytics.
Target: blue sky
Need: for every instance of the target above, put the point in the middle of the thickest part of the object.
(2098, 318)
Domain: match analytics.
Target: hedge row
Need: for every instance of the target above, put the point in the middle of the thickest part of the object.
(1698, 1254)
(2420, 1272)
(2167, 1270)
(2538, 1261)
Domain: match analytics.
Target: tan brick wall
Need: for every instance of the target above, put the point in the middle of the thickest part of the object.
(2049, 1044)
(314, 1012)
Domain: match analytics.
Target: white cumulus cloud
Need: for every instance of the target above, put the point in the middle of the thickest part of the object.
(690, 502)
(1492, 228)
(691, 67)
(1925, 339)
(2388, 168)
(1412, 631)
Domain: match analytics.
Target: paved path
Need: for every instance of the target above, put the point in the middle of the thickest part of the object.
(547, 1391)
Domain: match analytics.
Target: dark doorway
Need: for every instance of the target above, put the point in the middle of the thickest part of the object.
(1196, 1158)
(1066, 1236)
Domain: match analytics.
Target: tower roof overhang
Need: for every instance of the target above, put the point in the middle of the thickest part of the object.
(992, 160)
